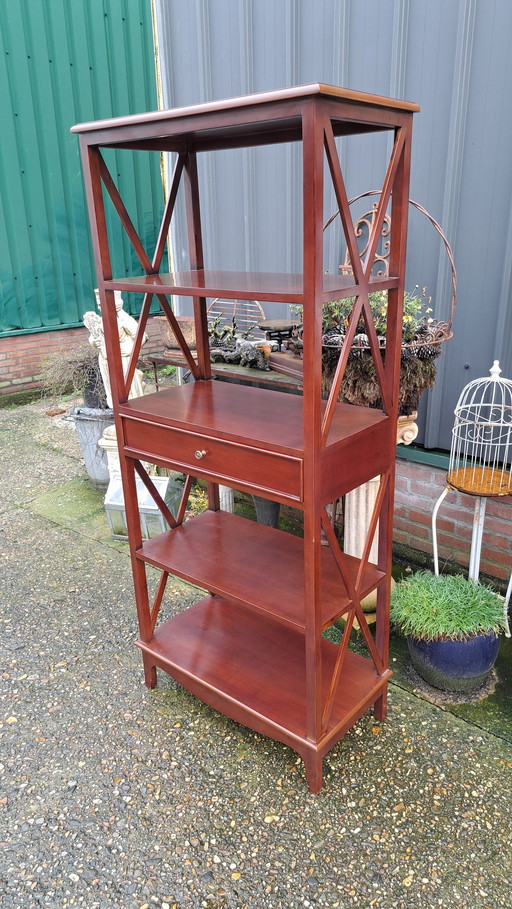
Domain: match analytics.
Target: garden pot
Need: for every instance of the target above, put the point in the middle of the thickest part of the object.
(94, 390)
(188, 330)
(267, 512)
(455, 665)
(89, 424)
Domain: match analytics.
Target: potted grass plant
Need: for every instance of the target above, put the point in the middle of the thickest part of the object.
(453, 628)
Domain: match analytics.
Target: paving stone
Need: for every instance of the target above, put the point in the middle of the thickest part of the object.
(113, 796)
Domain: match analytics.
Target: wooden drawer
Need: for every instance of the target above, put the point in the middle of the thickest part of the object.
(231, 463)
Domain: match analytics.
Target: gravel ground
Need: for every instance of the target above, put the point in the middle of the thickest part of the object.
(116, 797)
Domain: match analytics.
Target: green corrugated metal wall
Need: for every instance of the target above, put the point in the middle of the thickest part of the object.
(63, 62)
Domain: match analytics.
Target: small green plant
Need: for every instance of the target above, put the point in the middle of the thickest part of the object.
(197, 501)
(221, 333)
(419, 352)
(148, 370)
(452, 607)
(167, 371)
(336, 314)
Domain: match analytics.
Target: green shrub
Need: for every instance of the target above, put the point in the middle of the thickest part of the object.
(449, 606)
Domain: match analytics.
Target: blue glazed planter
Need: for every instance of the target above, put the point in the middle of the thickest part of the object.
(455, 665)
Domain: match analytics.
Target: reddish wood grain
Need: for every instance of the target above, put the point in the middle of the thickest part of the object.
(253, 670)
(255, 650)
(258, 565)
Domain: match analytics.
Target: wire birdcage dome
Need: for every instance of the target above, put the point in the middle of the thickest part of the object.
(481, 450)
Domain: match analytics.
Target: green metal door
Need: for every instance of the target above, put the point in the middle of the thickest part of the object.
(63, 62)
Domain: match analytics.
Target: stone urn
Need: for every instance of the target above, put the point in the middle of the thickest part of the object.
(188, 329)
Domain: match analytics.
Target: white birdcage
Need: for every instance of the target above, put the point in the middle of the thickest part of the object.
(481, 450)
(480, 457)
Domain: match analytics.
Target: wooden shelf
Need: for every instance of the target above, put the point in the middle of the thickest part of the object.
(236, 413)
(248, 562)
(254, 416)
(253, 648)
(253, 671)
(233, 371)
(252, 438)
(230, 108)
(236, 285)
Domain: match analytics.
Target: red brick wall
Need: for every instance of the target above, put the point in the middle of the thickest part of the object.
(20, 355)
(417, 490)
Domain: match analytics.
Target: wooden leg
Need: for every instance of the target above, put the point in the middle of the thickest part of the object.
(149, 671)
(313, 765)
(213, 496)
(380, 708)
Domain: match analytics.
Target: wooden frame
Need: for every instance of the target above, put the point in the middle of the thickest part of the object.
(253, 648)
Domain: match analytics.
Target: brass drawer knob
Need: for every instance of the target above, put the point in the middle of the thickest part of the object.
(200, 454)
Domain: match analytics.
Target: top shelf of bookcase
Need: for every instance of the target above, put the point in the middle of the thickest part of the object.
(265, 117)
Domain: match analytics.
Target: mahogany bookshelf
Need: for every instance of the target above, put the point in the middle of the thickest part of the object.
(253, 648)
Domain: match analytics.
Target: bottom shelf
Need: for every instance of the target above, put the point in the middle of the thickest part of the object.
(253, 670)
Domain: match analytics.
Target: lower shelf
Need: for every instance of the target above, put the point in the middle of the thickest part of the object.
(253, 670)
(250, 563)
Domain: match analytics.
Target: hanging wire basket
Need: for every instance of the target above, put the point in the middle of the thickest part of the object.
(430, 333)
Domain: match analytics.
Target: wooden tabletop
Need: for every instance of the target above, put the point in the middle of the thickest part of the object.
(298, 92)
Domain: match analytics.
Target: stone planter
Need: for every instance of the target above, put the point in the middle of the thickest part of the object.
(188, 329)
(90, 423)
